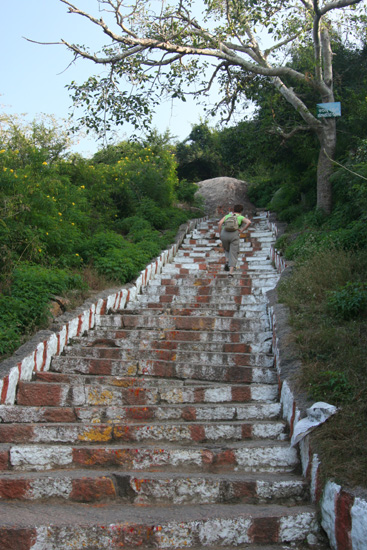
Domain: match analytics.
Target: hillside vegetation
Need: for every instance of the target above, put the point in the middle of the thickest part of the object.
(70, 225)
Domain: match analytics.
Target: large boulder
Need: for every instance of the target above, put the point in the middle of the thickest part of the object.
(221, 194)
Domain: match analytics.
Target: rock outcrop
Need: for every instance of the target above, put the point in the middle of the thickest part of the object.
(220, 194)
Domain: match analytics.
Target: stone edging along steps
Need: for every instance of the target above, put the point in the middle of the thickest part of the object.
(165, 411)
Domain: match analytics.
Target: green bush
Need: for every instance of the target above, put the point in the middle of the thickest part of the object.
(185, 191)
(105, 218)
(132, 224)
(261, 190)
(156, 215)
(10, 327)
(291, 213)
(116, 265)
(349, 301)
(100, 243)
(288, 195)
(24, 306)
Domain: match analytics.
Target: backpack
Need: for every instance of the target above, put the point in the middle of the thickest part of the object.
(231, 223)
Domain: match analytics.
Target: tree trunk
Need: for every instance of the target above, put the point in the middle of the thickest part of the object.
(327, 138)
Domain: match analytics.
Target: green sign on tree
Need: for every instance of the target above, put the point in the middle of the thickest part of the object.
(328, 110)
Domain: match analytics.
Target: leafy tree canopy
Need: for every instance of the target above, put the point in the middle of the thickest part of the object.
(160, 49)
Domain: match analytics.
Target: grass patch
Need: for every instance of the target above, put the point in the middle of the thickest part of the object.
(326, 295)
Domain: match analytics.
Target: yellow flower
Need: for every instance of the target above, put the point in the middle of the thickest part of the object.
(2, 151)
(60, 214)
(46, 233)
(82, 187)
(76, 254)
(11, 170)
(5, 169)
(40, 250)
(73, 203)
(44, 163)
(72, 223)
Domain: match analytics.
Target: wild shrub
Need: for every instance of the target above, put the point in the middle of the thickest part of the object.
(117, 265)
(100, 243)
(24, 306)
(185, 191)
(132, 224)
(152, 212)
(147, 173)
(349, 301)
(261, 189)
(61, 216)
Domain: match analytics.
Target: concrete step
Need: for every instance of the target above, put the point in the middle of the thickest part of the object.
(207, 279)
(155, 488)
(149, 340)
(115, 526)
(112, 413)
(120, 392)
(123, 337)
(169, 322)
(187, 355)
(203, 291)
(237, 306)
(118, 381)
(221, 286)
(202, 308)
(165, 369)
(231, 310)
(181, 433)
(250, 456)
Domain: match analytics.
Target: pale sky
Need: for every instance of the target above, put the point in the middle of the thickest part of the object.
(33, 77)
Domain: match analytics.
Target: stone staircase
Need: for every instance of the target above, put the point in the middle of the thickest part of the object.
(161, 428)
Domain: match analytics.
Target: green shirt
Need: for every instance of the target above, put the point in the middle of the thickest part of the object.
(239, 218)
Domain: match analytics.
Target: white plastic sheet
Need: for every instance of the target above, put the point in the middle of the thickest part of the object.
(317, 414)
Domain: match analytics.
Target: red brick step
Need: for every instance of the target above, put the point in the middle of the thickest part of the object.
(115, 526)
(153, 488)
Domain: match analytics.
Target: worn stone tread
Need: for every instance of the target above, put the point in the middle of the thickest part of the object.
(191, 355)
(72, 514)
(113, 413)
(118, 334)
(113, 526)
(152, 487)
(181, 433)
(255, 456)
(160, 368)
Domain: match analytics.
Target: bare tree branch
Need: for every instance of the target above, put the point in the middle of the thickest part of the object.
(338, 5)
(288, 135)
